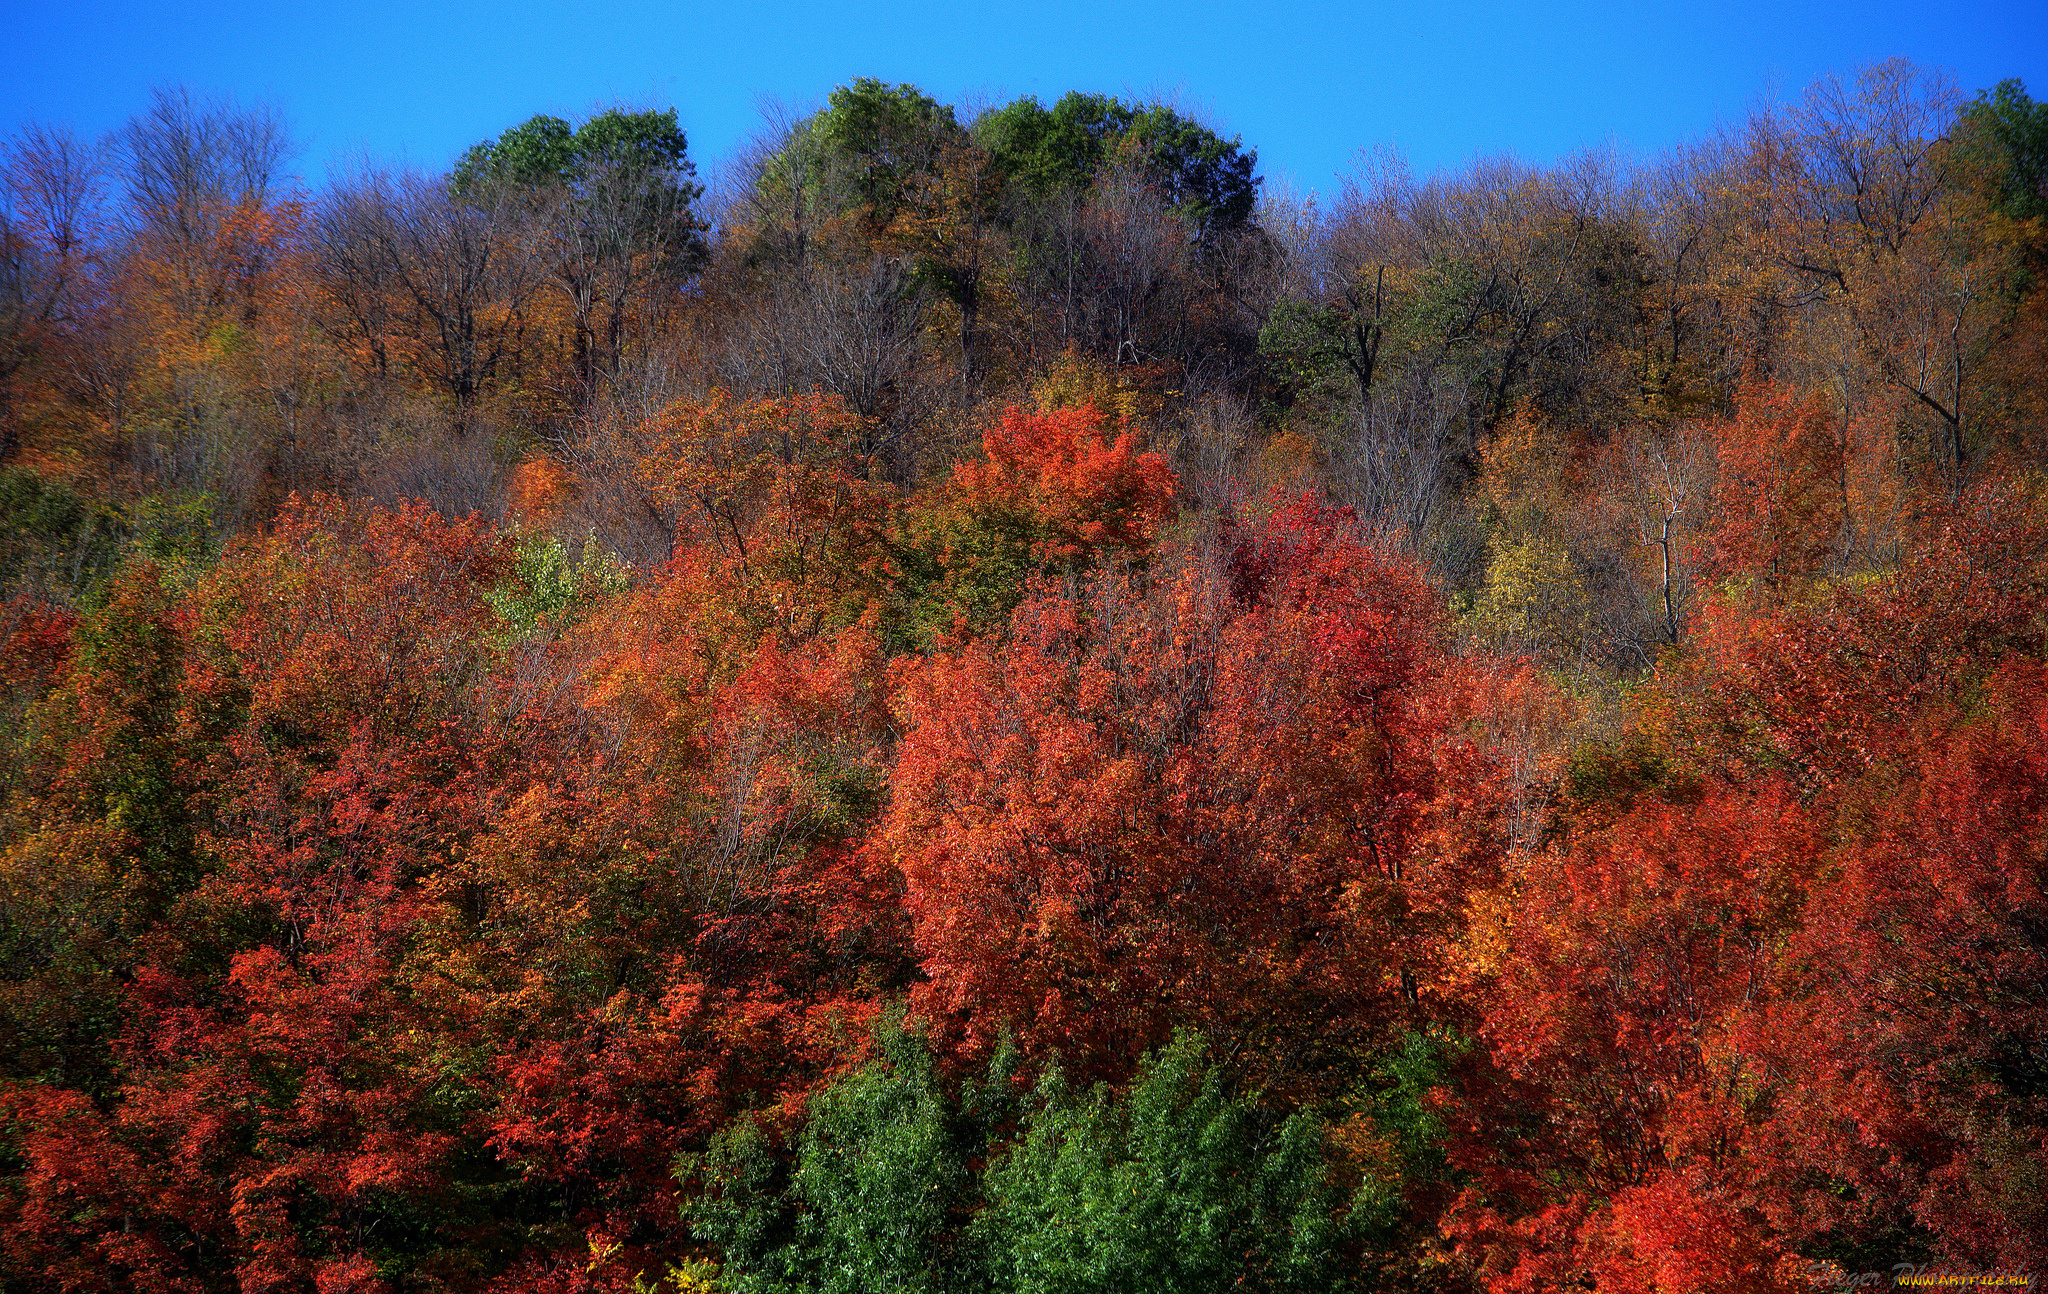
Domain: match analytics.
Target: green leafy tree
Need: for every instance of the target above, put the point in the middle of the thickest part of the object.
(52, 538)
(2006, 132)
(545, 151)
(885, 138)
(613, 202)
(875, 153)
(877, 1195)
(1176, 1184)
(1180, 1185)
(1205, 177)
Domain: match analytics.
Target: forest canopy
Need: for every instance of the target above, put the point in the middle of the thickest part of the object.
(990, 703)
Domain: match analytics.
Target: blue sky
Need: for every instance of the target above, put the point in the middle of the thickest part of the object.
(1307, 84)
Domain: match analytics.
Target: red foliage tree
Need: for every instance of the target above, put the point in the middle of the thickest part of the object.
(1830, 689)
(1225, 797)
(1915, 1021)
(1787, 996)
(1611, 1134)
(1781, 497)
(276, 1060)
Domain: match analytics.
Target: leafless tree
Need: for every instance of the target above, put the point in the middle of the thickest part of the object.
(443, 282)
(848, 327)
(50, 184)
(1651, 499)
(195, 173)
(1874, 226)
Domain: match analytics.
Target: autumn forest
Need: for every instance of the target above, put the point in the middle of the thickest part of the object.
(984, 700)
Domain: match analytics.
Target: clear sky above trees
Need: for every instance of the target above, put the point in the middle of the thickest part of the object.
(1306, 82)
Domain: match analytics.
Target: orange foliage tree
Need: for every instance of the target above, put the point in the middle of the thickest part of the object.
(1054, 494)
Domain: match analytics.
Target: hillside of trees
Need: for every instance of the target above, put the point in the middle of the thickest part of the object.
(995, 704)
